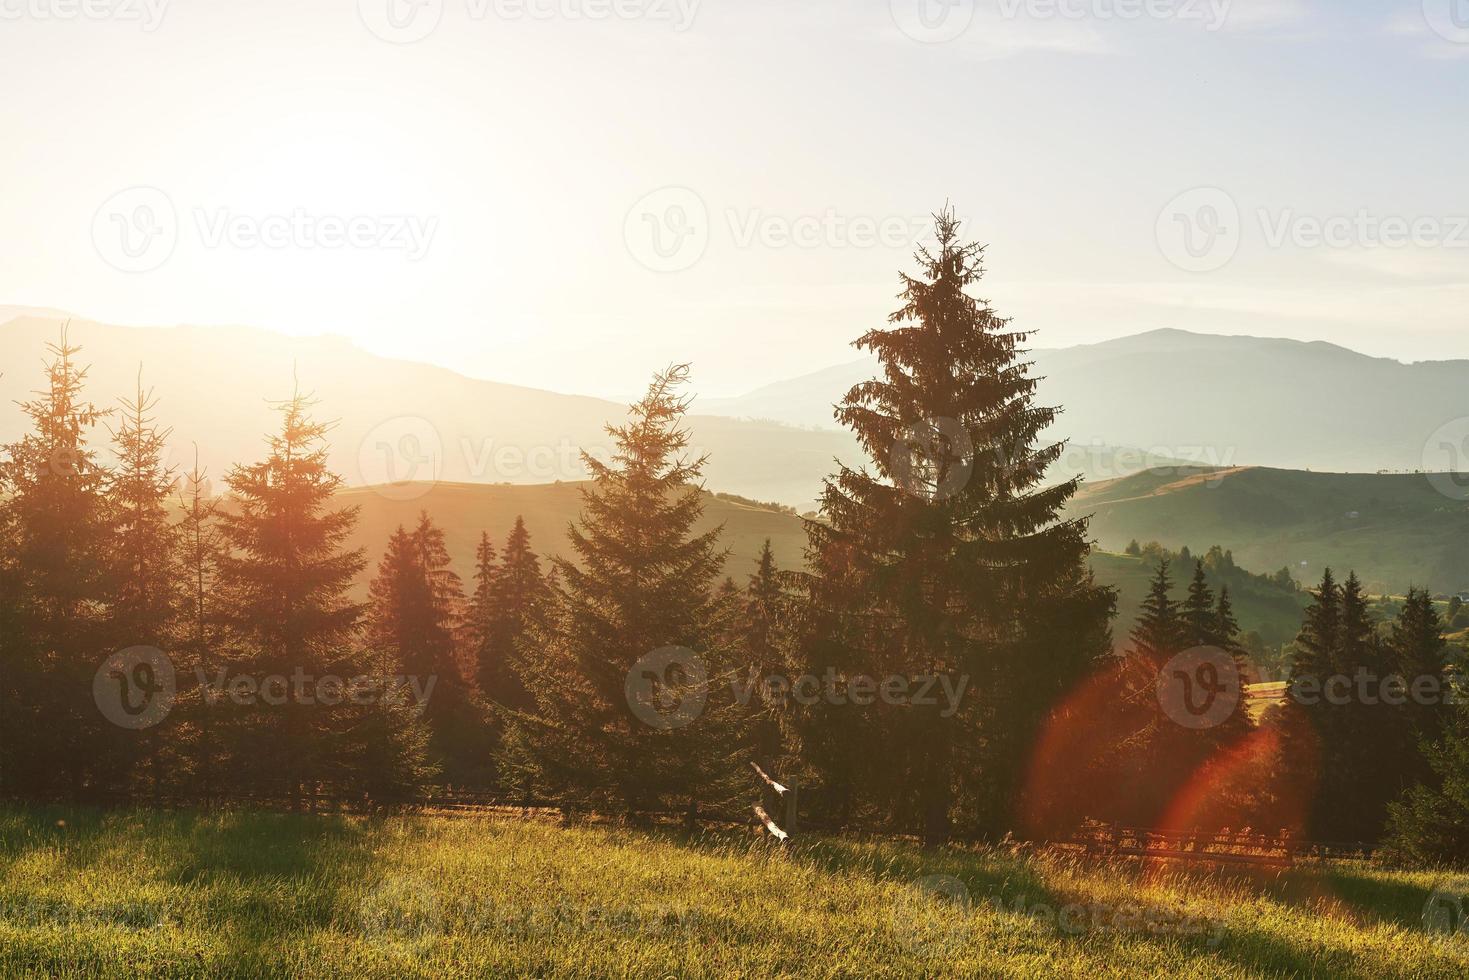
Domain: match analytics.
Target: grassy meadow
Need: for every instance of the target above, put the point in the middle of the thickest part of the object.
(134, 893)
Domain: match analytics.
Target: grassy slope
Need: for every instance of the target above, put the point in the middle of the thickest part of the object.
(1405, 532)
(278, 895)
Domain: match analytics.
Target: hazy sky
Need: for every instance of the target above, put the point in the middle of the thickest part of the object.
(569, 193)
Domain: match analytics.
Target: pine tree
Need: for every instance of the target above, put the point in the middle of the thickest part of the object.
(951, 561)
(762, 652)
(480, 615)
(198, 555)
(287, 574)
(1159, 632)
(1198, 615)
(146, 600)
(57, 517)
(1416, 649)
(643, 583)
(1226, 626)
(1317, 644)
(414, 620)
(518, 594)
(1429, 825)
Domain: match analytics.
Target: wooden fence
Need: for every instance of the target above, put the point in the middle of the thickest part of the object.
(1223, 846)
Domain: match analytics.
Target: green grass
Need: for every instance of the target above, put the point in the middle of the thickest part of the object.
(84, 893)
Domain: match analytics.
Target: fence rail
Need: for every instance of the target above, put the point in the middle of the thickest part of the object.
(1218, 846)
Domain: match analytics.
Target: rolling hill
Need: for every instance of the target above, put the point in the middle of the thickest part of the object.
(463, 510)
(1395, 530)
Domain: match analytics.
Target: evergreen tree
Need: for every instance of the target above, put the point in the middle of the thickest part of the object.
(1429, 825)
(57, 517)
(950, 561)
(481, 613)
(1198, 617)
(762, 653)
(146, 602)
(1416, 652)
(643, 583)
(287, 574)
(1317, 644)
(1159, 632)
(517, 596)
(198, 544)
(414, 611)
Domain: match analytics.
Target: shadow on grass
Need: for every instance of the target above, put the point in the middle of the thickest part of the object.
(1018, 887)
(250, 881)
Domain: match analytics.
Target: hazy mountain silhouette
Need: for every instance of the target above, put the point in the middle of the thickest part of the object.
(395, 417)
(1212, 399)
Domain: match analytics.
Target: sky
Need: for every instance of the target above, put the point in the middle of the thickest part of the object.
(569, 194)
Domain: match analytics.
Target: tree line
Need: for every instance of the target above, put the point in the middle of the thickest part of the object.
(942, 665)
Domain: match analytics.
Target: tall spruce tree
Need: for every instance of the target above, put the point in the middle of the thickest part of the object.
(198, 558)
(1159, 631)
(1429, 825)
(951, 560)
(642, 582)
(146, 599)
(1416, 649)
(55, 511)
(517, 596)
(763, 652)
(480, 612)
(287, 574)
(414, 611)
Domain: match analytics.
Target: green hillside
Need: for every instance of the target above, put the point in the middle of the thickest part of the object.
(1395, 530)
(465, 509)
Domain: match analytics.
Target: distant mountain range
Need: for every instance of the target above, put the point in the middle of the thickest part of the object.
(397, 419)
(1130, 404)
(1210, 399)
